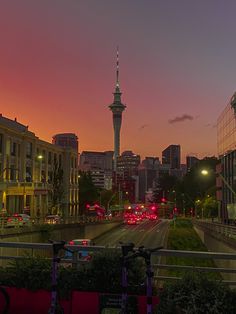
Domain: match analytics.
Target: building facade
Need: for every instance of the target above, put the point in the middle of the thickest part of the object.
(148, 174)
(171, 156)
(191, 161)
(28, 166)
(99, 164)
(226, 148)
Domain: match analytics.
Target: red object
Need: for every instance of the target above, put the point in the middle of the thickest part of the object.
(85, 302)
(24, 301)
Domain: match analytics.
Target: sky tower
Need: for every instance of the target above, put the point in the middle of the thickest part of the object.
(117, 108)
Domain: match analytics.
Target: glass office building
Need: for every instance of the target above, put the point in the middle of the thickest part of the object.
(226, 147)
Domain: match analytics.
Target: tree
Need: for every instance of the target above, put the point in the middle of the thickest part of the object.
(88, 193)
(57, 191)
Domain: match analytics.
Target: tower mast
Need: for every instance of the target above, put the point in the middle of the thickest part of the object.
(117, 108)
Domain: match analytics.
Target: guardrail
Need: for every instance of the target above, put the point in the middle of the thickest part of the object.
(163, 252)
(68, 220)
(228, 231)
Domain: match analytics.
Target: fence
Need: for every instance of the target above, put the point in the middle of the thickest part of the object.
(228, 231)
(45, 247)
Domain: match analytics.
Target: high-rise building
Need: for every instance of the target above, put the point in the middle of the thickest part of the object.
(226, 144)
(191, 161)
(171, 156)
(99, 164)
(117, 108)
(126, 179)
(148, 174)
(128, 163)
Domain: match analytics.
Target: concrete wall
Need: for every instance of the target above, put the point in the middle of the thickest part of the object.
(216, 243)
(42, 234)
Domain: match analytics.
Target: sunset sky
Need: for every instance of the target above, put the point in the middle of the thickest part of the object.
(177, 70)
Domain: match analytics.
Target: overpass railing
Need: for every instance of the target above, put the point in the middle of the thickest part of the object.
(18, 250)
(228, 231)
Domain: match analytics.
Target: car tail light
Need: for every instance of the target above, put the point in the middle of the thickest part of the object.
(20, 219)
(84, 242)
(9, 219)
(71, 243)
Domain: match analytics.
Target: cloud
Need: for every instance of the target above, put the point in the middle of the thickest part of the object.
(181, 118)
(143, 126)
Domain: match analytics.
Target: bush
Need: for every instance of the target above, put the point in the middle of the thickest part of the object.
(195, 294)
(102, 274)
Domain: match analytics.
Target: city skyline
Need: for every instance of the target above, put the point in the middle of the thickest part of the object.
(176, 71)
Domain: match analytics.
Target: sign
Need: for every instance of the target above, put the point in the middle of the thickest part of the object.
(111, 304)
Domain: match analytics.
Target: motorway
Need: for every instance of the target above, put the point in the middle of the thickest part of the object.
(148, 233)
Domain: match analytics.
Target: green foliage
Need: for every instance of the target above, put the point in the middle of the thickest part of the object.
(32, 273)
(57, 191)
(194, 185)
(195, 294)
(102, 274)
(210, 207)
(182, 236)
(106, 272)
(88, 193)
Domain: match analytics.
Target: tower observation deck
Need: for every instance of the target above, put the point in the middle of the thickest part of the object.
(117, 108)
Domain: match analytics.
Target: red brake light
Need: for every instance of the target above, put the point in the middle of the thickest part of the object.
(9, 219)
(71, 243)
(20, 219)
(84, 242)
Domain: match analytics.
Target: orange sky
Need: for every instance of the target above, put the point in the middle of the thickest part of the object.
(177, 69)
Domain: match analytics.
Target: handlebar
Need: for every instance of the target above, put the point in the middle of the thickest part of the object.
(139, 252)
(126, 248)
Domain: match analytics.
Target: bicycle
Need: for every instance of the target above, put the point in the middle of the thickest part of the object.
(55, 307)
(4, 301)
(126, 248)
(146, 254)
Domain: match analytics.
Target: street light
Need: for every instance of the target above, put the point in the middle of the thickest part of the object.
(227, 184)
(206, 172)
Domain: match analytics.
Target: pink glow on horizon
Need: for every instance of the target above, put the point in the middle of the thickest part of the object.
(58, 63)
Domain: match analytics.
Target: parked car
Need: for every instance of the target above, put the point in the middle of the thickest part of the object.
(83, 254)
(18, 220)
(53, 219)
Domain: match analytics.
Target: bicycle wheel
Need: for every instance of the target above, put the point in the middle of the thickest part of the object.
(4, 301)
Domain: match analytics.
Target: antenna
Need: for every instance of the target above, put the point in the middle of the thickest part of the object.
(117, 67)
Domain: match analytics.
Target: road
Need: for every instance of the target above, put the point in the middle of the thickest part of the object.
(148, 233)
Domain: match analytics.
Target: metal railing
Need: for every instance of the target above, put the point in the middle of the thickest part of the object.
(22, 247)
(228, 231)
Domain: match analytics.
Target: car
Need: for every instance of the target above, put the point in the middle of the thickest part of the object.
(19, 220)
(83, 255)
(131, 221)
(53, 219)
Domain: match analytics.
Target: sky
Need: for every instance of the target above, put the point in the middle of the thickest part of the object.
(177, 70)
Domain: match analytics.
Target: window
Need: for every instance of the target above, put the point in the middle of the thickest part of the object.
(28, 176)
(29, 149)
(13, 148)
(13, 171)
(49, 158)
